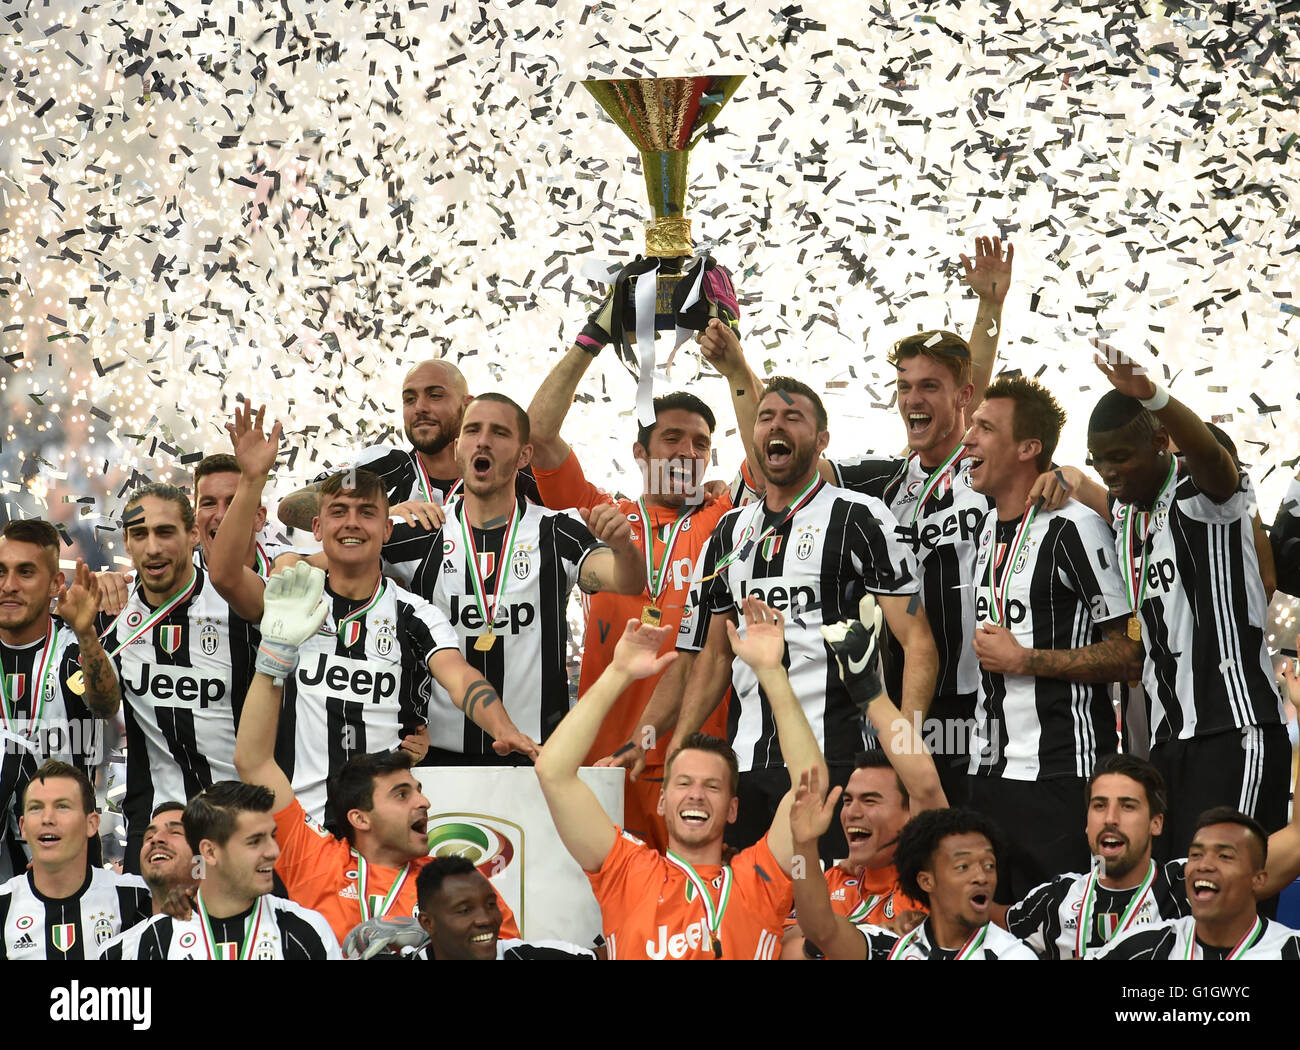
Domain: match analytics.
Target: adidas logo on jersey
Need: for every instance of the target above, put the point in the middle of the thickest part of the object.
(349, 892)
(25, 941)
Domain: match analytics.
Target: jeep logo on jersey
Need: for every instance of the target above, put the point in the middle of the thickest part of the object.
(511, 617)
(208, 639)
(385, 639)
(168, 683)
(521, 565)
(169, 637)
(1015, 610)
(695, 936)
(63, 936)
(804, 546)
(1160, 575)
(345, 677)
(960, 526)
(782, 598)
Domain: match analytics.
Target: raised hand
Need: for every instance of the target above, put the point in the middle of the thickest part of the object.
(813, 809)
(514, 740)
(294, 608)
(720, 346)
(417, 513)
(1125, 375)
(631, 756)
(78, 603)
(989, 275)
(1054, 488)
(254, 450)
(763, 645)
(608, 525)
(637, 652)
(114, 591)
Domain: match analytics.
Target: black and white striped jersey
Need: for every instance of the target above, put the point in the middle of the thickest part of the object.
(405, 480)
(183, 684)
(526, 663)
(1048, 918)
(362, 683)
(38, 927)
(1176, 939)
(1284, 538)
(987, 944)
(943, 533)
(277, 928)
(1064, 584)
(1206, 667)
(517, 950)
(50, 720)
(813, 568)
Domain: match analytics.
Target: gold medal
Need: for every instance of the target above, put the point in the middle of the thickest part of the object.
(77, 682)
(1135, 629)
(652, 615)
(484, 642)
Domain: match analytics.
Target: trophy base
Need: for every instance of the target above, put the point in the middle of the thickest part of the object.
(665, 319)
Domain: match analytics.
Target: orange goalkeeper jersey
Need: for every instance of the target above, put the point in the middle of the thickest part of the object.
(873, 896)
(649, 910)
(320, 873)
(607, 613)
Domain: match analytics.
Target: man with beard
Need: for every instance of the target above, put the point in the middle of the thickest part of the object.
(810, 550)
(1226, 875)
(500, 569)
(420, 479)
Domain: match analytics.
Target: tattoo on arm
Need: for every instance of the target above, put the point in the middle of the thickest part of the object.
(479, 692)
(103, 694)
(590, 581)
(1113, 660)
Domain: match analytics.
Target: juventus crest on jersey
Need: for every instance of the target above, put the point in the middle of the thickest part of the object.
(1051, 584)
(813, 566)
(939, 517)
(528, 583)
(362, 683)
(184, 675)
(1207, 667)
(78, 927)
(273, 929)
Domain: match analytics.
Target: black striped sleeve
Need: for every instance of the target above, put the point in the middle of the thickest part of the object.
(869, 475)
(1086, 560)
(876, 554)
(134, 905)
(411, 551)
(392, 464)
(572, 542)
(1155, 943)
(155, 942)
(6, 899)
(1036, 919)
(299, 937)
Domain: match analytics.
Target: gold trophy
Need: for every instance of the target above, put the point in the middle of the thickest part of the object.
(665, 117)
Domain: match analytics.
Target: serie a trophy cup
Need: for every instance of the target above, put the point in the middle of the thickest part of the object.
(667, 289)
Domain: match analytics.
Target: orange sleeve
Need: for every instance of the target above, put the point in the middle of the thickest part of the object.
(509, 928)
(303, 848)
(567, 486)
(624, 879)
(770, 888)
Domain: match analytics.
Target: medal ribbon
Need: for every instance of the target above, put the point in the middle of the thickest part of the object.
(712, 913)
(865, 908)
(158, 614)
(260, 565)
(1135, 579)
(1084, 931)
(795, 506)
(932, 482)
(973, 943)
(251, 927)
(9, 705)
(1243, 946)
(996, 601)
(363, 874)
(422, 477)
(356, 614)
(507, 549)
(657, 579)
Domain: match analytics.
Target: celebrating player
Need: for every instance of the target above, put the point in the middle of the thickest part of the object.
(62, 907)
(1195, 601)
(231, 832)
(501, 569)
(1051, 609)
(1225, 876)
(360, 684)
(369, 872)
(685, 904)
(55, 678)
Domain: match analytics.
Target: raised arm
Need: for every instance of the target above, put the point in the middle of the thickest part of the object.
(294, 610)
(658, 717)
(909, 626)
(551, 404)
(989, 277)
(299, 509)
(709, 677)
(233, 579)
(720, 346)
(855, 644)
(763, 648)
(1210, 464)
(811, 812)
(1060, 484)
(478, 699)
(77, 605)
(580, 819)
(621, 566)
(1283, 865)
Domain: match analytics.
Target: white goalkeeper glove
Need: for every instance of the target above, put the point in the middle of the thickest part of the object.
(293, 609)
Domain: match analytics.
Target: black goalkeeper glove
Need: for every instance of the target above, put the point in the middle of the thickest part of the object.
(856, 645)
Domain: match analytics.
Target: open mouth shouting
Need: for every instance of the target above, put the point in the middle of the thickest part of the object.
(857, 834)
(980, 901)
(779, 452)
(693, 818)
(1111, 844)
(918, 423)
(481, 465)
(1204, 890)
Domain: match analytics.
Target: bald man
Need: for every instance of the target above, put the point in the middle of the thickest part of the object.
(434, 396)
